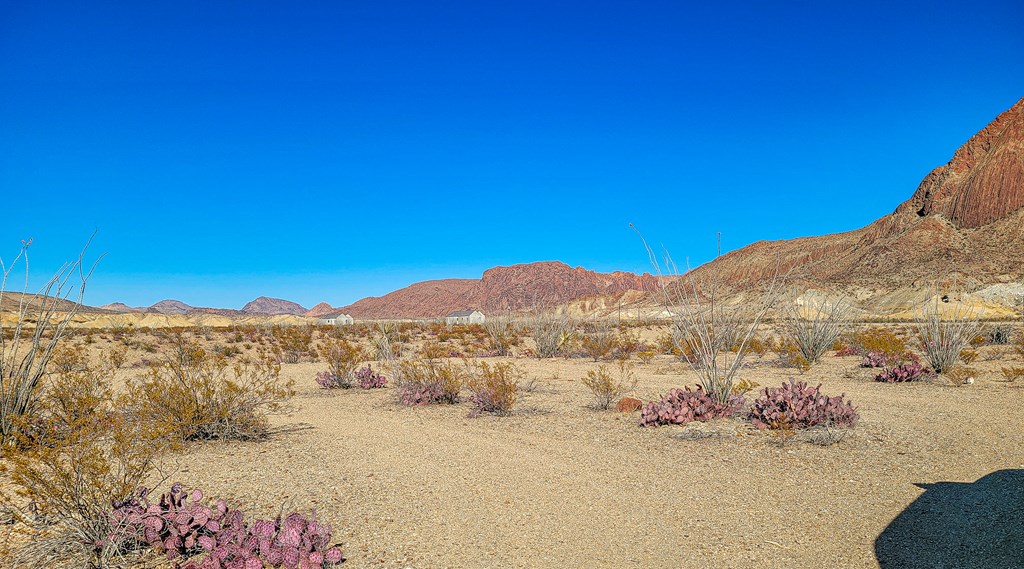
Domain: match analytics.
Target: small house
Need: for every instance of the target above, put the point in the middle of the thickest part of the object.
(336, 319)
(465, 317)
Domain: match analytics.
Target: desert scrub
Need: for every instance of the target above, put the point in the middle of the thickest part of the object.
(424, 382)
(683, 406)
(200, 396)
(814, 327)
(80, 454)
(881, 344)
(944, 332)
(911, 371)
(494, 387)
(797, 405)
(342, 358)
(599, 341)
(27, 347)
(552, 334)
(608, 387)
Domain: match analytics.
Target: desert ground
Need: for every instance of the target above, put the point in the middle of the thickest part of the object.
(558, 483)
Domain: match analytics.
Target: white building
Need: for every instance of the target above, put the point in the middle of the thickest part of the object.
(336, 319)
(465, 317)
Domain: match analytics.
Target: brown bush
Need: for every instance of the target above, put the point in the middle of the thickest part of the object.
(199, 396)
(608, 388)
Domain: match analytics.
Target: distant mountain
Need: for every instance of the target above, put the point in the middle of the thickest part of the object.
(171, 306)
(499, 290)
(965, 220)
(320, 310)
(272, 306)
(120, 307)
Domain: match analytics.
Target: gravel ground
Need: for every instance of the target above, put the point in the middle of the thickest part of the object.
(559, 484)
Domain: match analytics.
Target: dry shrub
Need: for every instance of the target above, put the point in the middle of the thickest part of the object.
(962, 374)
(503, 334)
(115, 356)
(424, 382)
(87, 455)
(199, 396)
(599, 342)
(343, 358)
(944, 333)
(878, 341)
(67, 359)
(646, 356)
(608, 388)
(552, 334)
(494, 387)
(814, 328)
(1012, 374)
(708, 325)
(433, 350)
(968, 356)
(790, 355)
(27, 344)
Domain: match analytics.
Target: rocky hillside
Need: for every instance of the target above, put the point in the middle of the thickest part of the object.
(273, 306)
(319, 310)
(964, 222)
(499, 290)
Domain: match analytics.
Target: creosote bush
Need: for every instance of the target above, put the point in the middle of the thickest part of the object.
(682, 406)
(424, 382)
(608, 387)
(200, 396)
(342, 358)
(797, 405)
(494, 387)
(80, 452)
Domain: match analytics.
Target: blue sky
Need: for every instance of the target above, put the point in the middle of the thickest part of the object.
(327, 151)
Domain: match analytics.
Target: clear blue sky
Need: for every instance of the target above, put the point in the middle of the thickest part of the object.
(334, 150)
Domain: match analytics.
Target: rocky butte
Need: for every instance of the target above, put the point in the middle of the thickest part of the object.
(964, 222)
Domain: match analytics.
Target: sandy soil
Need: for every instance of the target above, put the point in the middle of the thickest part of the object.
(558, 484)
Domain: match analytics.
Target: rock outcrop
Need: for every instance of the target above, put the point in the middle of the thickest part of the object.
(501, 289)
(964, 222)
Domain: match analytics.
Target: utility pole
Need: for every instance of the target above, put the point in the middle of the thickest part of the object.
(719, 243)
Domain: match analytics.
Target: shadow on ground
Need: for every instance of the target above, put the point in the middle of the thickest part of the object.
(959, 525)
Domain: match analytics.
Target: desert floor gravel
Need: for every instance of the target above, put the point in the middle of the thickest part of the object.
(559, 484)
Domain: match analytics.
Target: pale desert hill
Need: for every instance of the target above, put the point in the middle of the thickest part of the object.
(965, 222)
(500, 290)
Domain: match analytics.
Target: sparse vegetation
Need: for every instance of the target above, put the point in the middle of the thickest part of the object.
(797, 405)
(552, 333)
(494, 387)
(608, 388)
(197, 396)
(944, 333)
(815, 326)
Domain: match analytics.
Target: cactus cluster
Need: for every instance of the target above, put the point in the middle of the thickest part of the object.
(681, 406)
(912, 371)
(183, 528)
(414, 394)
(369, 379)
(876, 359)
(798, 405)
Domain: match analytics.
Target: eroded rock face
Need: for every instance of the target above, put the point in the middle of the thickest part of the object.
(984, 182)
(500, 289)
(965, 219)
